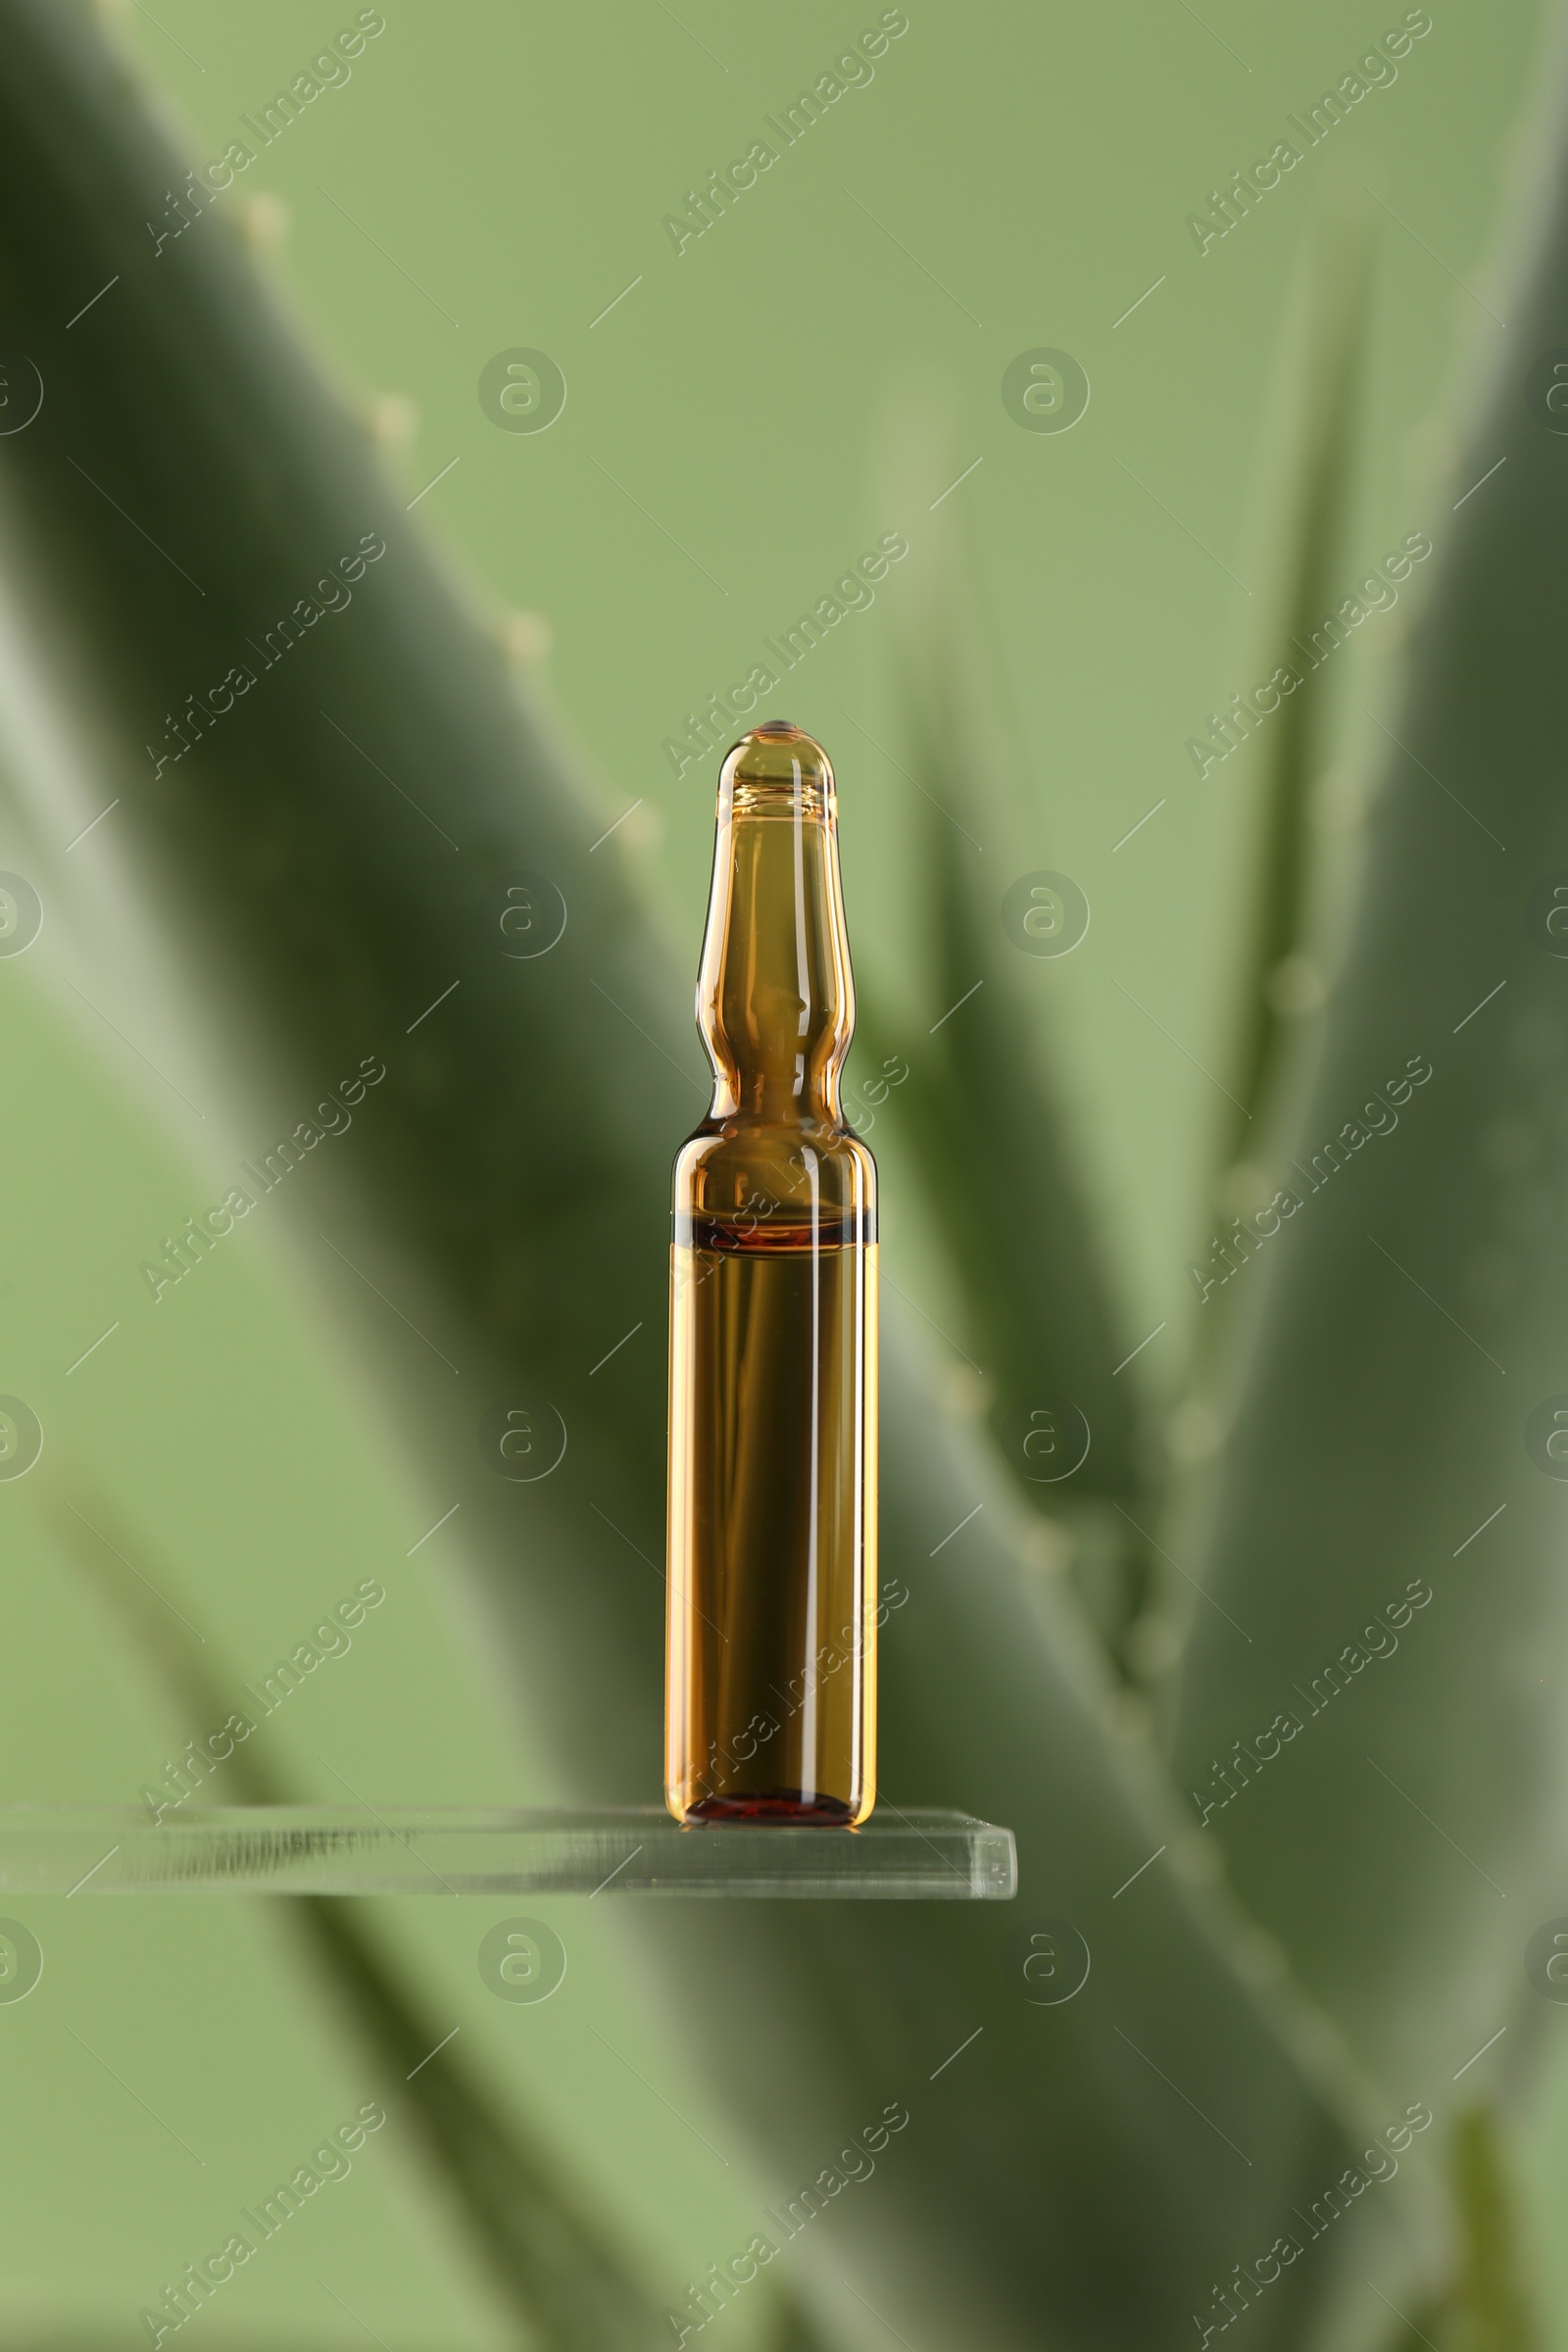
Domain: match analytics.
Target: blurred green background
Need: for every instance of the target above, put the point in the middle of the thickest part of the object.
(813, 371)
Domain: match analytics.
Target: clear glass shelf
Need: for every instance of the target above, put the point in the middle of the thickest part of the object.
(436, 1849)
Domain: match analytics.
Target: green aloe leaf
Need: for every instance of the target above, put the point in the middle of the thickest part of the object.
(1491, 2297)
(1279, 974)
(1488, 2305)
(1330, 352)
(569, 2285)
(504, 1193)
(975, 1125)
(978, 1111)
(1392, 1442)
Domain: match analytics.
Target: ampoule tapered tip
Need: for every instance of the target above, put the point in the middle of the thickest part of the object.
(780, 752)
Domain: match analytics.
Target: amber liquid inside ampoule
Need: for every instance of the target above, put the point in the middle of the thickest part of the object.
(772, 1500)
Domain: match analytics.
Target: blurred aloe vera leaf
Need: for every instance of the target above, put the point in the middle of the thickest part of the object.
(978, 1113)
(506, 1191)
(1493, 2308)
(324, 922)
(975, 1123)
(1415, 1322)
(568, 2284)
(1489, 2306)
(1275, 979)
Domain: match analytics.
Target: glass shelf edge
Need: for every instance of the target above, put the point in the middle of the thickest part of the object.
(445, 1850)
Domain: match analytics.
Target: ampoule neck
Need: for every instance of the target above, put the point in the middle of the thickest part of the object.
(776, 1000)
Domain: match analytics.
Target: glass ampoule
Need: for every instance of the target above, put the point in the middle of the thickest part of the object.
(771, 1700)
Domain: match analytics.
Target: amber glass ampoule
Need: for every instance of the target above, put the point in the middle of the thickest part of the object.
(770, 1699)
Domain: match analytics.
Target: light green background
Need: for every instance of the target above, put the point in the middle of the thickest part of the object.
(753, 412)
